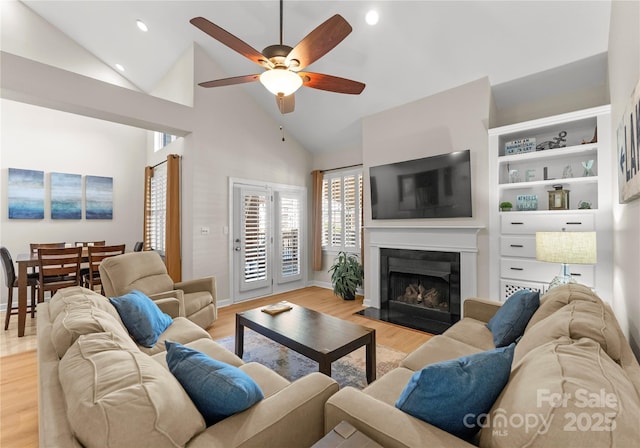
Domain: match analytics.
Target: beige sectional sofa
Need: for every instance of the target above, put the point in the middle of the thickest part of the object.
(574, 382)
(98, 388)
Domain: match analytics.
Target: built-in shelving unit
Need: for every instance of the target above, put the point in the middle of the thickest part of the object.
(583, 141)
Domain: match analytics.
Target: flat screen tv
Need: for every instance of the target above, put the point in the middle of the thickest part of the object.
(431, 187)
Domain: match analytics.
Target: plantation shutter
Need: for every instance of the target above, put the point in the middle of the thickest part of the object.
(350, 212)
(158, 209)
(290, 228)
(342, 211)
(336, 212)
(325, 213)
(254, 225)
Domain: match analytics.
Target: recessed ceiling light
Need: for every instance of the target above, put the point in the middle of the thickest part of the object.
(120, 67)
(143, 26)
(372, 17)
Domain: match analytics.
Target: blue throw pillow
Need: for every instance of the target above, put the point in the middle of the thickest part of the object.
(145, 322)
(217, 389)
(509, 322)
(453, 394)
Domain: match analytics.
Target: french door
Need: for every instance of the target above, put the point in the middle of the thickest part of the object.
(267, 239)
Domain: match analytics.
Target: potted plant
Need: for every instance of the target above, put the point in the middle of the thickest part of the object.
(346, 275)
(506, 206)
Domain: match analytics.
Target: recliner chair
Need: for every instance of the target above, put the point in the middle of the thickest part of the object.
(146, 272)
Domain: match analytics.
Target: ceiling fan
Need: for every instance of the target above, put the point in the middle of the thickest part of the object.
(283, 64)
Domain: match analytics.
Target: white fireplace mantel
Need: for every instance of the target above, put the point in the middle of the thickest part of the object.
(461, 239)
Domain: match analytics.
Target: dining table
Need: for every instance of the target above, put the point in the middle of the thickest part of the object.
(25, 261)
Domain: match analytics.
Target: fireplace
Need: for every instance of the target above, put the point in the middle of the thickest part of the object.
(420, 288)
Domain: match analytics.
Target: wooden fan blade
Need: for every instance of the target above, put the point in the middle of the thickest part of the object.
(331, 83)
(286, 104)
(319, 42)
(231, 41)
(230, 81)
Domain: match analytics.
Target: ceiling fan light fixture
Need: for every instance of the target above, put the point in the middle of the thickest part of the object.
(281, 81)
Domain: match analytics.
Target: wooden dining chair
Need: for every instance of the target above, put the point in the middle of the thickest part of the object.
(33, 248)
(11, 280)
(96, 255)
(58, 268)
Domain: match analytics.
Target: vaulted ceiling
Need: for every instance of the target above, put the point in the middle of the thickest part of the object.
(527, 49)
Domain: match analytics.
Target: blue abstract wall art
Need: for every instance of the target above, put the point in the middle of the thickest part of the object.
(26, 194)
(98, 197)
(66, 196)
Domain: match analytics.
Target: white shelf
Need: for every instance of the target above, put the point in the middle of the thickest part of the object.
(549, 182)
(550, 154)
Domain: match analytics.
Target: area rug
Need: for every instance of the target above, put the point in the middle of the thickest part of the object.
(347, 371)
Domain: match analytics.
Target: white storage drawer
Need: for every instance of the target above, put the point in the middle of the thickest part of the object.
(523, 223)
(518, 246)
(537, 271)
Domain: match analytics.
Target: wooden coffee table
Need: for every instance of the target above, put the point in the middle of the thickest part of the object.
(317, 336)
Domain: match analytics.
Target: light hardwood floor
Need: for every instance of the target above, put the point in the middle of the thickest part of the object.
(18, 366)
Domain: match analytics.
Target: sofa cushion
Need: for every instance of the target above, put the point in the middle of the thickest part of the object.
(81, 318)
(142, 317)
(217, 389)
(578, 319)
(509, 322)
(389, 387)
(557, 297)
(446, 393)
(116, 396)
(565, 393)
(205, 345)
(472, 332)
(182, 330)
(438, 348)
(267, 380)
(76, 295)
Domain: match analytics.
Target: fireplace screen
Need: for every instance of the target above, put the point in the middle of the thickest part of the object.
(425, 290)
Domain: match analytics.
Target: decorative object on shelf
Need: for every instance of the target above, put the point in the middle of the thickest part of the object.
(566, 248)
(514, 176)
(520, 146)
(530, 175)
(594, 139)
(588, 168)
(346, 275)
(527, 202)
(567, 172)
(557, 142)
(506, 206)
(558, 198)
(628, 138)
(584, 205)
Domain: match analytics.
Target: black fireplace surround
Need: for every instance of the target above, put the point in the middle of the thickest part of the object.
(419, 289)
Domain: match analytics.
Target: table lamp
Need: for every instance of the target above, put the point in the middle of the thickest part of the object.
(566, 248)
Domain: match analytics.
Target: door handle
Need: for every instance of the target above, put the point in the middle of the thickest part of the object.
(237, 249)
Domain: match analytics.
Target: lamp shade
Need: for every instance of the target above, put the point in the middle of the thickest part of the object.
(566, 247)
(281, 81)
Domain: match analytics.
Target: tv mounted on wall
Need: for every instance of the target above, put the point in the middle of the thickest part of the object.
(431, 187)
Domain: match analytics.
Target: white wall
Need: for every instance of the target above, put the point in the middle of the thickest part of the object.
(42, 139)
(624, 74)
(453, 120)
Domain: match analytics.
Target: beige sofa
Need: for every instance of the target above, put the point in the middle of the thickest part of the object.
(146, 272)
(574, 382)
(96, 387)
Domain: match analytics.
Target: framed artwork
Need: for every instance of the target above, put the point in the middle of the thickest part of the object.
(98, 197)
(26, 194)
(66, 196)
(629, 150)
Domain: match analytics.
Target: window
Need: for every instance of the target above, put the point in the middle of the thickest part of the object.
(341, 210)
(160, 140)
(158, 209)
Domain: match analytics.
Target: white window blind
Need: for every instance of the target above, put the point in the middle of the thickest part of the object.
(290, 227)
(255, 237)
(341, 210)
(158, 209)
